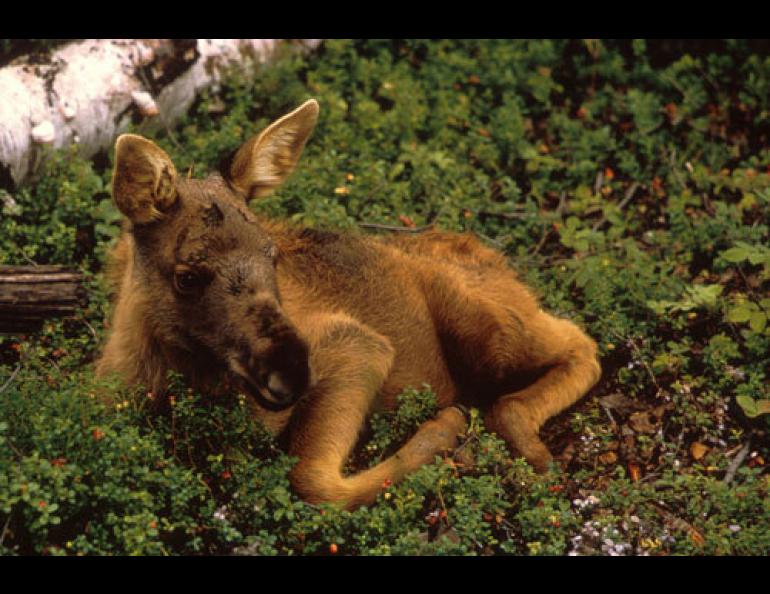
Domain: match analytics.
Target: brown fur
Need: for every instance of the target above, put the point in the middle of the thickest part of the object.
(338, 324)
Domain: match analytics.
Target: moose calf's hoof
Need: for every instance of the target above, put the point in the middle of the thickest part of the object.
(438, 434)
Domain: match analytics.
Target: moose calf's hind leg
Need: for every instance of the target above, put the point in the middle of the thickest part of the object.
(571, 371)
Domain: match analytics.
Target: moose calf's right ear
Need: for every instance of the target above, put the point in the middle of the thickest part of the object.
(144, 179)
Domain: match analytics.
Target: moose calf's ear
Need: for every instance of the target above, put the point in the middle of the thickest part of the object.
(144, 180)
(265, 161)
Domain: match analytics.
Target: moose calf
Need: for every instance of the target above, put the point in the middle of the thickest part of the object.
(320, 328)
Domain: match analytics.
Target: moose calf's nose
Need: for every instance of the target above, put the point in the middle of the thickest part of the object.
(278, 388)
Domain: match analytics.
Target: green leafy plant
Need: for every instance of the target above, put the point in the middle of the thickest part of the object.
(628, 182)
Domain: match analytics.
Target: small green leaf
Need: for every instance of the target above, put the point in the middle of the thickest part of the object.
(748, 404)
(736, 254)
(758, 321)
(759, 256)
(740, 313)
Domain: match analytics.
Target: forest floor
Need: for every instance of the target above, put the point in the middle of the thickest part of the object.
(628, 182)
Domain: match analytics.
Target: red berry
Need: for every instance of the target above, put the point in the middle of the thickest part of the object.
(333, 549)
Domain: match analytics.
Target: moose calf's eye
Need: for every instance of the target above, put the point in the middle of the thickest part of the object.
(187, 281)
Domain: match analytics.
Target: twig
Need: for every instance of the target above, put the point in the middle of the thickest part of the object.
(90, 327)
(632, 345)
(396, 227)
(672, 161)
(383, 227)
(5, 527)
(28, 259)
(754, 298)
(737, 461)
(494, 242)
(504, 215)
(598, 182)
(543, 239)
(443, 505)
(609, 414)
(621, 205)
(629, 195)
(170, 133)
(462, 446)
(10, 379)
(561, 208)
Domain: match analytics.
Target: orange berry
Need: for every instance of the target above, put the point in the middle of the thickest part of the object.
(406, 221)
(333, 549)
(97, 434)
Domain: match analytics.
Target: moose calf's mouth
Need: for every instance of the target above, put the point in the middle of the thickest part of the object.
(278, 380)
(273, 394)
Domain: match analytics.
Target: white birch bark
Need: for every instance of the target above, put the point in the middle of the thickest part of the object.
(88, 91)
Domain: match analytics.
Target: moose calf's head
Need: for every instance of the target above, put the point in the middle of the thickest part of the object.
(205, 265)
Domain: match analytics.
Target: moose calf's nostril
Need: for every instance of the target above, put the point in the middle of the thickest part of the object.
(277, 387)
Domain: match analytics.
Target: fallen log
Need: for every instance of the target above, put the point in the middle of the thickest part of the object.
(86, 92)
(30, 295)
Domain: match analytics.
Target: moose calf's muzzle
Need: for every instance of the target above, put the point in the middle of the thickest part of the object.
(278, 377)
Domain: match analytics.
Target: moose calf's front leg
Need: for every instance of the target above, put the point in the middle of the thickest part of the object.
(350, 363)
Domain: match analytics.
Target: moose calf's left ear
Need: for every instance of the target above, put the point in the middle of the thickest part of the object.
(266, 160)
(144, 180)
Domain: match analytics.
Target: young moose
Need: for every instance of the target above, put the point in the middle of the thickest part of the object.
(319, 328)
